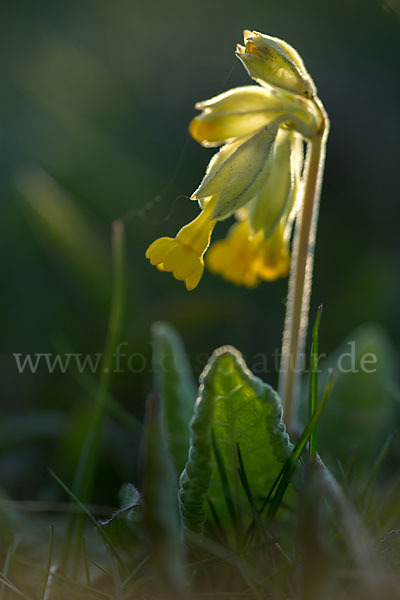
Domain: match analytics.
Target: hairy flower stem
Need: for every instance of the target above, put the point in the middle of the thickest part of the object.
(300, 280)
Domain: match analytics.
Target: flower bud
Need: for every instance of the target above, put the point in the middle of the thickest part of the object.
(272, 61)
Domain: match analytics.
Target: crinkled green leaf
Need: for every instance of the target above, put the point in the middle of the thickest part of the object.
(174, 384)
(239, 409)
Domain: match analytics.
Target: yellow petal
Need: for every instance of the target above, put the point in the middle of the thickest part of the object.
(183, 255)
(271, 272)
(274, 257)
(157, 249)
(192, 281)
(236, 257)
(218, 258)
(180, 260)
(197, 234)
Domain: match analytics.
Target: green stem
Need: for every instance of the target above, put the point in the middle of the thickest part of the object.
(84, 475)
(300, 280)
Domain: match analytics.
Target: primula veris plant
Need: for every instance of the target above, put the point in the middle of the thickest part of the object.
(233, 501)
(267, 175)
(256, 176)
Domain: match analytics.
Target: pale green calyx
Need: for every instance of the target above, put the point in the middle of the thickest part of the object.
(275, 197)
(234, 172)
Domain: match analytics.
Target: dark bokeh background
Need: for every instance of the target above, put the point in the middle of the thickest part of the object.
(98, 95)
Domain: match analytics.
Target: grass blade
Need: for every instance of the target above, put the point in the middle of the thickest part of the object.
(7, 561)
(377, 465)
(86, 561)
(225, 485)
(313, 392)
(298, 449)
(357, 537)
(89, 515)
(48, 566)
(59, 222)
(246, 486)
(84, 475)
(159, 516)
(217, 522)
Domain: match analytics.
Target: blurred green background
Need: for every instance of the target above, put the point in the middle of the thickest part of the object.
(96, 99)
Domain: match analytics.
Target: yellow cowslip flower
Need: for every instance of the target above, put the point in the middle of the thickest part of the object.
(245, 260)
(274, 256)
(235, 257)
(183, 255)
(256, 173)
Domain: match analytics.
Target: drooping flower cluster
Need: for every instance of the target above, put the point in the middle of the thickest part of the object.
(256, 176)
